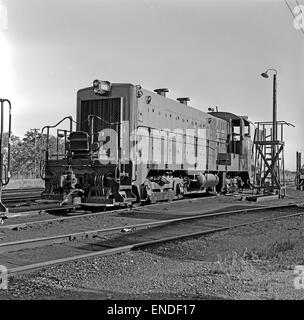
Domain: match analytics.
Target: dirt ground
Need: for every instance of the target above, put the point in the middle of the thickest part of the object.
(252, 262)
(255, 262)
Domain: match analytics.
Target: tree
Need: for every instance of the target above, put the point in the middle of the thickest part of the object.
(16, 158)
(26, 153)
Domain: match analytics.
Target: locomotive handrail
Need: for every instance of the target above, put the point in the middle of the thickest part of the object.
(91, 124)
(278, 122)
(98, 117)
(47, 140)
(57, 124)
(3, 209)
(7, 178)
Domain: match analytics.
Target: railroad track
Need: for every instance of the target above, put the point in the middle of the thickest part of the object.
(28, 255)
(74, 211)
(19, 201)
(11, 196)
(137, 209)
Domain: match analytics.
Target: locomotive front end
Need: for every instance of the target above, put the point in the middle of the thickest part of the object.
(95, 168)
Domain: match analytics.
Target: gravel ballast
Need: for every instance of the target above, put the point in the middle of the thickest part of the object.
(253, 262)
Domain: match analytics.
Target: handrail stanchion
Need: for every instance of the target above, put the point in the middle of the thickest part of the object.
(3, 209)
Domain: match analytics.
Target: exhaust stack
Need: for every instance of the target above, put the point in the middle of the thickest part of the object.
(162, 91)
(184, 100)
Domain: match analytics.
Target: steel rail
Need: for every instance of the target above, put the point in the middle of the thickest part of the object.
(38, 242)
(143, 244)
(19, 195)
(87, 215)
(22, 190)
(34, 210)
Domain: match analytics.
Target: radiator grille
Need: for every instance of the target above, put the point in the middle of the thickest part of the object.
(107, 109)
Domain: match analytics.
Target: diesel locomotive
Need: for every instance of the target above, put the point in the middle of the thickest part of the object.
(131, 144)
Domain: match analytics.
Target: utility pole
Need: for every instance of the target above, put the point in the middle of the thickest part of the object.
(35, 154)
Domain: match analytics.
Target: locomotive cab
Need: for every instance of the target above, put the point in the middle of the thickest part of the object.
(238, 159)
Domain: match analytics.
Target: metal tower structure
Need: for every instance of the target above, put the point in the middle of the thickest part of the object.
(269, 169)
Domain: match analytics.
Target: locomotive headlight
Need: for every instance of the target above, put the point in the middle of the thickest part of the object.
(96, 86)
(101, 87)
(96, 83)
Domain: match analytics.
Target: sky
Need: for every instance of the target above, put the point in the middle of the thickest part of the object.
(211, 51)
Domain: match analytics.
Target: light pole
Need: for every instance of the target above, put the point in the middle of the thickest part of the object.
(274, 112)
(274, 116)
